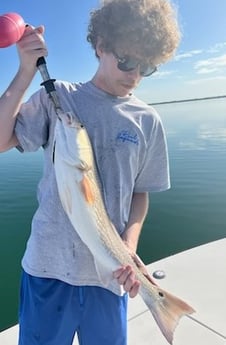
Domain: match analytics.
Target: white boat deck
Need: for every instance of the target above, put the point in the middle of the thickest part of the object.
(198, 276)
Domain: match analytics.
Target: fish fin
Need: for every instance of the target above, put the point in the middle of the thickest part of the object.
(167, 311)
(142, 267)
(87, 190)
(104, 274)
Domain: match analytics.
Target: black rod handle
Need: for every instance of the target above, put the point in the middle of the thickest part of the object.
(48, 83)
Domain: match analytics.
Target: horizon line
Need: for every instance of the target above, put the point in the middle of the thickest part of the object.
(188, 100)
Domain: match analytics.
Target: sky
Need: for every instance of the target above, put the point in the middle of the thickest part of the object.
(197, 70)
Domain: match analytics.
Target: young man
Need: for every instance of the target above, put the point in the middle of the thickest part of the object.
(60, 290)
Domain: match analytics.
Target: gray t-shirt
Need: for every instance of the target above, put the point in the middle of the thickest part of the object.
(131, 155)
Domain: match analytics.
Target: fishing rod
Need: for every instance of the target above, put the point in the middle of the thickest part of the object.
(48, 84)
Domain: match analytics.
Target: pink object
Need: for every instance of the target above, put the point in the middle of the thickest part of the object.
(12, 27)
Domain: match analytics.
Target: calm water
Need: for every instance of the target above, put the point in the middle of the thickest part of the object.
(191, 213)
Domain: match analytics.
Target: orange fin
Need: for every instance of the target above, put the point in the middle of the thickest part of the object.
(167, 312)
(87, 190)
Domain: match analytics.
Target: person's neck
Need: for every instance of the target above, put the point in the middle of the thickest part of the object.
(100, 84)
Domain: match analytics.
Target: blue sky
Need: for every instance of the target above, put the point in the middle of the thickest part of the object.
(198, 69)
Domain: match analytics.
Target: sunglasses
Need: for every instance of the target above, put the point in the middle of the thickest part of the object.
(127, 64)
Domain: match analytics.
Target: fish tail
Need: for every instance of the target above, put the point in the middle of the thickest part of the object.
(167, 311)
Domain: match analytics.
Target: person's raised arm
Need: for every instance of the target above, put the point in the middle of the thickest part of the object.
(30, 47)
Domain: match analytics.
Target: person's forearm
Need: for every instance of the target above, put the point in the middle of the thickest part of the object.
(10, 103)
(138, 212)
(30, 47)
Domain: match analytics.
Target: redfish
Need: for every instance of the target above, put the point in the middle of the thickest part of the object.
(80, 193)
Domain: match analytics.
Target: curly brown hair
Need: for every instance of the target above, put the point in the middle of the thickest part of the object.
(145, 27)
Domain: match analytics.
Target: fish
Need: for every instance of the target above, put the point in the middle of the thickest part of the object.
(80, 191)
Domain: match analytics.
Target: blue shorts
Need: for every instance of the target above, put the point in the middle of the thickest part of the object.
(51, 312)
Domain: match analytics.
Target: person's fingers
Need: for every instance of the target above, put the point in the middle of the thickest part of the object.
(135, 289)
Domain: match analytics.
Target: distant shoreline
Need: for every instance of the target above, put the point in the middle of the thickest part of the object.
(189, 100)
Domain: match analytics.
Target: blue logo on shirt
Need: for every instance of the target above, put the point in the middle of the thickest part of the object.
(127, 136)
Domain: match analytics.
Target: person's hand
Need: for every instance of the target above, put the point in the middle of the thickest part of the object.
(30, 47)
(126, 277)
